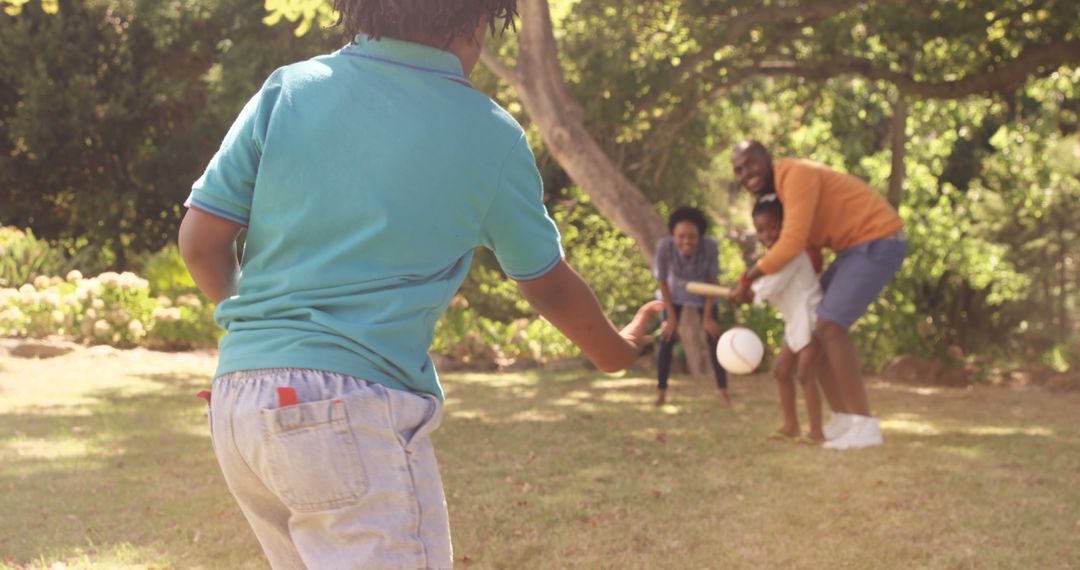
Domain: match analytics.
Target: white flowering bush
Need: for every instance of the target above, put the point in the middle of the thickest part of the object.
(184, 322)
(112, 308)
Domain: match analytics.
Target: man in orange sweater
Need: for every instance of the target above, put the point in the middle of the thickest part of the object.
(824, 208)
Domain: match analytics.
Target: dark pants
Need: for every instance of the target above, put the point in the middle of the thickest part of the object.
(665, 348)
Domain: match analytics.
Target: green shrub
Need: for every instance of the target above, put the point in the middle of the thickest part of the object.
(166, 273)
(464, 334)
(607, 259)
(24, 257)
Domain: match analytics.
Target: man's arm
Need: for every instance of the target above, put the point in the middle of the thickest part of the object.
(208, 246)
(800, 196)
(562, 297)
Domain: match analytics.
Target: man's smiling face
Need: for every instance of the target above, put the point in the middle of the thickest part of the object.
(753, 168)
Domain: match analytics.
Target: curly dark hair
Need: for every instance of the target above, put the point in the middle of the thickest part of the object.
(768, 204)
(412, 19)
(688, 214)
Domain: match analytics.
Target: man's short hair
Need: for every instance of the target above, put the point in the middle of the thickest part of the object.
(423, 19)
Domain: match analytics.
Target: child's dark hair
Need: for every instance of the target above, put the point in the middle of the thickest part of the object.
(412, 19)
(688, 214)
(768, 204)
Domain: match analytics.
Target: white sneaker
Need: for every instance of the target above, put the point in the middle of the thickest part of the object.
(864, 432)
(837, 426)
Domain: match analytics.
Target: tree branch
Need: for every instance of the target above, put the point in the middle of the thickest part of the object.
(1034, 61)
(506, 73)
(736, 27)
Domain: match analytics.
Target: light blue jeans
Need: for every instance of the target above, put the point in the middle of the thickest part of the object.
(346, 478)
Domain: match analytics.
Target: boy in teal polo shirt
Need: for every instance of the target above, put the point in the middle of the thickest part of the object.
(366, 178)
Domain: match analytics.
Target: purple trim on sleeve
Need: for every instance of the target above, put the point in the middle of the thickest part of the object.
(213, 211)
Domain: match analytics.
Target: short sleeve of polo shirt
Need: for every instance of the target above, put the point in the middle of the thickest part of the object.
(516, 227)
(225, 188)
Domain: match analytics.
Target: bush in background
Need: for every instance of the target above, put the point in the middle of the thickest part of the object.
(166, 273)
(24, 257)
(112, 308)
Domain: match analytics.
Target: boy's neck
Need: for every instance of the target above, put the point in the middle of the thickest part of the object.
(466, 48)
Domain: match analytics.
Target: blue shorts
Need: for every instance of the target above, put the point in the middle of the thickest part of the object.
(857, 276)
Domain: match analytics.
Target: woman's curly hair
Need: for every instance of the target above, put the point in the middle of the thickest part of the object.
(688, 214)
(422, 19)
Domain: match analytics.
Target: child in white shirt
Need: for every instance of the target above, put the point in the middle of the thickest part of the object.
(796, 293)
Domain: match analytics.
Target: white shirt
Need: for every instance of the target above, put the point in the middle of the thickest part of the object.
(796, 293)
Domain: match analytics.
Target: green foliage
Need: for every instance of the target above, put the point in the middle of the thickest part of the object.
(490, 316)
(464, 334)
(14, 7)
(605, 257)
(23, 257)
(166, 273)
(110, 110)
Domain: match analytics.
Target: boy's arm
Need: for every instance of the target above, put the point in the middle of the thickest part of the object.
(562, 297)
(208, 246)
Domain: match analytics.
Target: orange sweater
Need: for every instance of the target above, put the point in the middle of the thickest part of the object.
(824, 208)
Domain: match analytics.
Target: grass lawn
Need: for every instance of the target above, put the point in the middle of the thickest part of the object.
(105, 463)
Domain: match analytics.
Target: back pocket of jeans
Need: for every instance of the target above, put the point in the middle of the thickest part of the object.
(312, 461)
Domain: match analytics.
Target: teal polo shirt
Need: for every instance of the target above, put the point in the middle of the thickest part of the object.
(366, 179)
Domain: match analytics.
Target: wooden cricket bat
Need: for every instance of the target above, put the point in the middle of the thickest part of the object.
(708, 289)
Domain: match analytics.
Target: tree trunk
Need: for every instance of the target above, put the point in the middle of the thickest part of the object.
(538, 79)
(898, 138)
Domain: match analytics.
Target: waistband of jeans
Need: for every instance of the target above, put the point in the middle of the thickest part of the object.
(898, 235)
(261, 372)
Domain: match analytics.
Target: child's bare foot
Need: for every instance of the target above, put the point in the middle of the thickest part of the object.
(784, 435)
(661, 397)
(724, 399)
(788, 431)
(817, 437)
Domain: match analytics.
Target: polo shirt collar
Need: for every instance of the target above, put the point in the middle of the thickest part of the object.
(407, 54)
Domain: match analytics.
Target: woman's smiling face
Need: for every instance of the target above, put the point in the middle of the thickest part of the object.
(687, 236)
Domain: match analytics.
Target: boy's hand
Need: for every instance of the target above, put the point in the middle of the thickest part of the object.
(562, 297)
(636, 332)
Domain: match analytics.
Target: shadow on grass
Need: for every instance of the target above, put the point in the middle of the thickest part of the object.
(129, 477)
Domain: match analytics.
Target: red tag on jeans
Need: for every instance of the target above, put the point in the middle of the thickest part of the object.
(287, 397)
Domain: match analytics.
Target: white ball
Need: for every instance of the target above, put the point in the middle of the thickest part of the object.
(739, 350)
